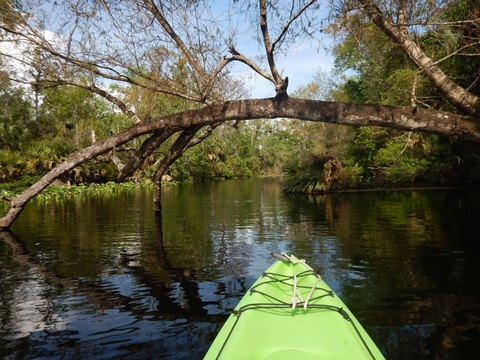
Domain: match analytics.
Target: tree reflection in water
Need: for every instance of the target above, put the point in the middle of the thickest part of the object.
(102, 277)
(123, 311)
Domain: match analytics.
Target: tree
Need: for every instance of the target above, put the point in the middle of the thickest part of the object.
(184, 49)
(15, 115)
(386, 75)
(404, 22)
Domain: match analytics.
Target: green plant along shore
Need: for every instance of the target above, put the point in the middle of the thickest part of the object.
(39, 127)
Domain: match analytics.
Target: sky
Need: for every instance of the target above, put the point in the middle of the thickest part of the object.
(302, 61)
(300, 64)
(16, 50)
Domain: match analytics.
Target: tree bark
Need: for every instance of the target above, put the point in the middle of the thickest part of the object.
(403, 118)
(146, 149)
(177, 149)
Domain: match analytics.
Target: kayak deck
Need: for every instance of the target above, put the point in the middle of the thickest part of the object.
(291, 313)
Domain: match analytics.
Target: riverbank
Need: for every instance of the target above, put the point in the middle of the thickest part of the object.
(60, 190)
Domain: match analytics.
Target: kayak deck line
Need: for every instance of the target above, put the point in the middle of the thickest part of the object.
(284, 305)
(280, 294)
(296, 298)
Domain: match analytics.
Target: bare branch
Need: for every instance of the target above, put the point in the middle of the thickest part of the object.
(280, 84)
(236, 56)
(413, 93)
(147, 148)
(174, 36)
(458, 52)
(290, 21)
(267, 42)
(439, 23)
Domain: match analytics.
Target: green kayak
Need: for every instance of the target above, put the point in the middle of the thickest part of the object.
(291, 313)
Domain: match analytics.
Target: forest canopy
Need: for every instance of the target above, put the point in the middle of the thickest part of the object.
(114, 90)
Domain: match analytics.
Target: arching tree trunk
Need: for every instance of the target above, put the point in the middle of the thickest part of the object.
(403, 118)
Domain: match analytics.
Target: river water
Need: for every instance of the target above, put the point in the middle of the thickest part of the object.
(100, 278)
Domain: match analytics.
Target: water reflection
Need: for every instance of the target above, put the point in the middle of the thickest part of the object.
(101, 277)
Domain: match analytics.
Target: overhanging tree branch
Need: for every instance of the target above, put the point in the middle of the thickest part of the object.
(404, 118)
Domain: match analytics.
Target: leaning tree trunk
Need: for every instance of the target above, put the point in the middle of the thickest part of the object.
(184, 142)
(403, 118)
(461, 98)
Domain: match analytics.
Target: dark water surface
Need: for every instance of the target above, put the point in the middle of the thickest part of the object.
(99, 278)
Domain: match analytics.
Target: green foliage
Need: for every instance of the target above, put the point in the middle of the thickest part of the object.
(15, 115)
(68, 118)
(398, 166)
(365, 146)
(460, 38)
(304, 174)
(392, 158)
(230, 152)
(307, 168)
(62, 193)
(11, 165)
(279, 146)
(72, 113)
(381, 73)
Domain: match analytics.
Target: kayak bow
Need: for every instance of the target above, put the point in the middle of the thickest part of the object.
(291, 313)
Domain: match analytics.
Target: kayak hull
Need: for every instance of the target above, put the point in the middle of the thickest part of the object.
(291, 313)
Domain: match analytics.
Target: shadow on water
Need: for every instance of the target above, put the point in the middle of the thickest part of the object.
(102, 277)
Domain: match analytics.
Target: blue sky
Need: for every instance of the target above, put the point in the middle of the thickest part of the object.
(300, 65)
